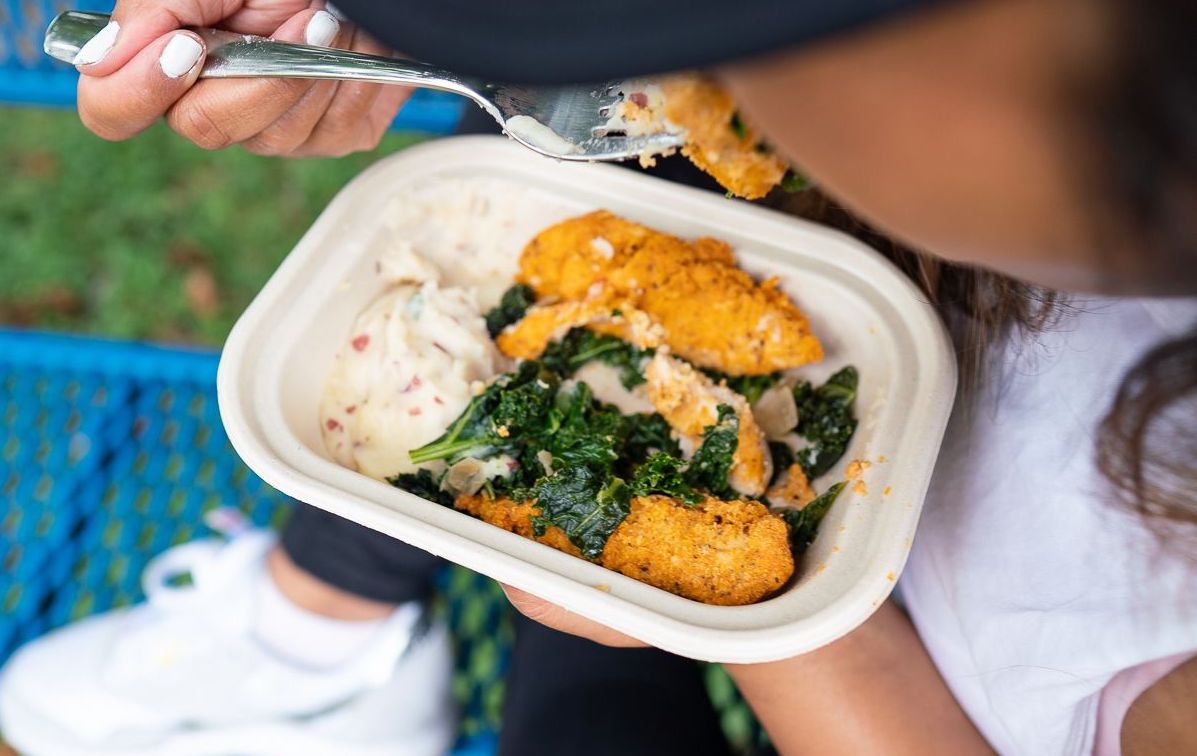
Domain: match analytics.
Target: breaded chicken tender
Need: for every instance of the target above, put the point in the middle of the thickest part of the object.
(792, 490)
(565, 259)
(514, 516)
(728, 553)
(717, 316)
(713, 314)
(696, 107)
(542, 324)
(689, 401)
(732, 157)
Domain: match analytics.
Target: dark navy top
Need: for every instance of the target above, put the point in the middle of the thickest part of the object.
(566, 41)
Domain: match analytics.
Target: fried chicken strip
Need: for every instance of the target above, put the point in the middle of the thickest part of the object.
(543, 324)
(729, 150)
(563, 260)
(728, 553)
(689, 401)
(705, 111)
(712, 313)
(793, 490)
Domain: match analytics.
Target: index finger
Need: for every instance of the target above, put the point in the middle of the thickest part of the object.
(125, 103)
(136, 24)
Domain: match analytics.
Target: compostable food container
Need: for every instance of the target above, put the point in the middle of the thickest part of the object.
(865, 311)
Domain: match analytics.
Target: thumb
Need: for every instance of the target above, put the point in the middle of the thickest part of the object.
(136, 24)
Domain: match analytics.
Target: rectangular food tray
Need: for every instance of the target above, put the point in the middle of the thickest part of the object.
(276, 361)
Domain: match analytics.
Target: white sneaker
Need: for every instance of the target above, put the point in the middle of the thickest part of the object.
(184, 674)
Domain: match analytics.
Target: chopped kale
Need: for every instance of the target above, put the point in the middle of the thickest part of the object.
(804, 523)
(825, 420)
(582, 461)
(583, 430)
(752, 386)
(518, 485)
(663, 474)
(783, 457)
(794, 182)
(582, 345)
(748, 386)
(587, 504)
(510, 309)
(514, 405)
(710, 465)
(525, 402)
(422, 484)
(648, 432)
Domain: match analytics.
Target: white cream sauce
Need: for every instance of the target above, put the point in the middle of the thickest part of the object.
(528, 129)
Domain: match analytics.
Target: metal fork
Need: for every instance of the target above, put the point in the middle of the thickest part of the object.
(566, 123)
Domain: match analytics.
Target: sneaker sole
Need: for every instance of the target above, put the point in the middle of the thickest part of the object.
(33, 735)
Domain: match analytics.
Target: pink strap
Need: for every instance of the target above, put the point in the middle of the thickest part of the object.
(1118, 695)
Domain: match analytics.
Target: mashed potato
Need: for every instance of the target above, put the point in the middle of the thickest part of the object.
(413, 360)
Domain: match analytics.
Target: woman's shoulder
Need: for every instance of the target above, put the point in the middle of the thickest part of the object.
(1031, 588)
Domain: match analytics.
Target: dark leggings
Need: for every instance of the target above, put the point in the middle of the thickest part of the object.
(564, 695)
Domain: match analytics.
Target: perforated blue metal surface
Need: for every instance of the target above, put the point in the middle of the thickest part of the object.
(28, 76)
(110, 452)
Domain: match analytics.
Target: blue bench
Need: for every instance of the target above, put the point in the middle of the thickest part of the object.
(111, 452)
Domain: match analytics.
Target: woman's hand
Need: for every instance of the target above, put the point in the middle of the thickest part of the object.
(143, 66)
(553, 616)
(876, 687)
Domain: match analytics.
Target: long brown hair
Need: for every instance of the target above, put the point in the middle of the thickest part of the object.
(1147, 125)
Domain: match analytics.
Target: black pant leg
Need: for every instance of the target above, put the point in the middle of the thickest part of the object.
(571, 697)
(356, 559)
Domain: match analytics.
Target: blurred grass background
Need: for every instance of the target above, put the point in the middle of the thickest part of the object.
(150, 238)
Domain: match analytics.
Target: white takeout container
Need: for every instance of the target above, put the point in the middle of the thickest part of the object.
(865, 311)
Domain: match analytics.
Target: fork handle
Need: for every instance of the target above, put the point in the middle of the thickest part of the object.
(237, 56)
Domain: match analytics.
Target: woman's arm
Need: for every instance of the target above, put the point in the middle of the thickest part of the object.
(873, 691)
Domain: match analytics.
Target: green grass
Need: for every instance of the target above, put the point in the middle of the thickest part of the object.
(151, 238)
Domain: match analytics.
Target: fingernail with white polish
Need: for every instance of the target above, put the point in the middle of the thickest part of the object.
(322, 28)
(98, 46)
(179, 55)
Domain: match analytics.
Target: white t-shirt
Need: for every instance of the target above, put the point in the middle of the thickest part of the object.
(1030, 590)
